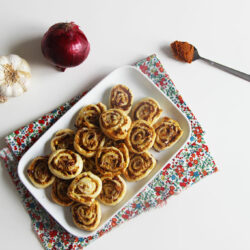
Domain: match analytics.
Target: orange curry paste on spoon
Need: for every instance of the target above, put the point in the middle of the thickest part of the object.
(183, 51)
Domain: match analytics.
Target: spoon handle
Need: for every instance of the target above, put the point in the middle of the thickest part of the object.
(227, 69)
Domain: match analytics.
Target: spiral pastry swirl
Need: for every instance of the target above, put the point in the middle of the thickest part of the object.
(168, 132)
(121, 146)
(88, 116)
(64, 139)
(113, 190)
(59, 193)
(115, 124)
(140, 166)
(141, 137)
(88, 140)
(85, 188)
(38, 172)
(110, 161)
(86, 217)
(65, 164)
(147, 109)
(121, 98)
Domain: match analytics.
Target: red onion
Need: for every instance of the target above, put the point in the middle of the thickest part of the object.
(65, 45)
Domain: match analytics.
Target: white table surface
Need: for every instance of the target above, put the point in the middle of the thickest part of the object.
(213, 214)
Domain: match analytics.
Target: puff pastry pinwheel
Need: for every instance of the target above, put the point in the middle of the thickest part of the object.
(168, 131)
(147, 109)
(141, 137)
(115, 124)
(110, 161)
(65, 164)
(139, 167)
(64, 139)
(88, 140)
(86, 217)
(121, 98)
(59, 192)
(121, 146)
(39, 173)
(113, 190)
(85, 188)
(88, 116)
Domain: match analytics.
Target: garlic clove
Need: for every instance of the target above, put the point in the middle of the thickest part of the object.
(17, 89)
(6, 90)
(2, 76)
(24, 66)
(4, 60)
(26, 86)
(15, 61)
(24, 81)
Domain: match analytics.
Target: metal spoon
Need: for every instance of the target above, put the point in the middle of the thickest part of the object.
(222, 67)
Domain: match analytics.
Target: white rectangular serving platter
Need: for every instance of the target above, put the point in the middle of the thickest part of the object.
(141, 86)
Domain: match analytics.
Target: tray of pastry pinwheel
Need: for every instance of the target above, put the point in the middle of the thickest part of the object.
(103, 151)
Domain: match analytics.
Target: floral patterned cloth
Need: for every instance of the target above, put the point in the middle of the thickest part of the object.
(192, 163)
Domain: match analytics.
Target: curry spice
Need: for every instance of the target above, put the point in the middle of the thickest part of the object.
(183, 51)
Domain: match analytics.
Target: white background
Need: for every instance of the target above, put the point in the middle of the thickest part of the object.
(214, 213)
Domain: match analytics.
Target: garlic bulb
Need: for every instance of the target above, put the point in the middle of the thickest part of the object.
(14, 76)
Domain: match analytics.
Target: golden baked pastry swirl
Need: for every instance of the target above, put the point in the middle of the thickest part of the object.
(64, 139)
(88, 116)
(88, 140)
(65, 164)
(121, 98)
(85, 188)
(121, 146)
(139, 167)
(147, 109)
(168, 132)
(86, 217)
(59, 193)
(115, 124)
(113, 190)
(141, 137)
(39, 173)
(110, 161)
